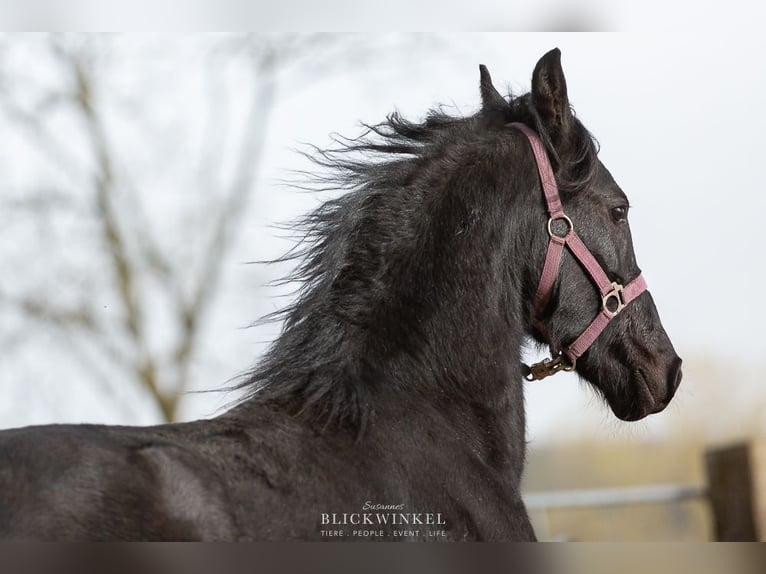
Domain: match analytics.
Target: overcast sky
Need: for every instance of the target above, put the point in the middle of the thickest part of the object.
(680, 120)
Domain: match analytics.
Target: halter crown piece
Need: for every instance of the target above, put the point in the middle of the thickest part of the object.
(614, 296)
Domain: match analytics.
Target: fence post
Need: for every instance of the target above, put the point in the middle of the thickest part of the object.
(737, 488)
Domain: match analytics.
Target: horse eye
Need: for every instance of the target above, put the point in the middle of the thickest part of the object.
(619, 213)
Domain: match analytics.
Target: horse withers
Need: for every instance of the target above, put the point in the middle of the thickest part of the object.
(391, 406)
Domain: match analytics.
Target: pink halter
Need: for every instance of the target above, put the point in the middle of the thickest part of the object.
(612, 293)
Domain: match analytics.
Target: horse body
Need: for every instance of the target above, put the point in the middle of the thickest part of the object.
(397, 378)
(260, 477)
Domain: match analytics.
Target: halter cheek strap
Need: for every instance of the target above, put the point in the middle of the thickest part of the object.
(614, 296)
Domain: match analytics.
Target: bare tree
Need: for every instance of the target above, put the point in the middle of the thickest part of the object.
(131, 270)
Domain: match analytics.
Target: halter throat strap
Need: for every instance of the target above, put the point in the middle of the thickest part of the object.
(614, 296)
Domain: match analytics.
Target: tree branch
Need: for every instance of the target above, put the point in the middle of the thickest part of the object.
(125, 273)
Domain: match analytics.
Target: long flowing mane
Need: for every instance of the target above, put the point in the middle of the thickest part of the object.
(327, 358)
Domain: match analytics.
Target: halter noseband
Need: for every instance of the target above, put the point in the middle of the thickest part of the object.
(612, 293)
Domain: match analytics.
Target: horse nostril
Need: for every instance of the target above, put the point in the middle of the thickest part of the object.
(674, 379)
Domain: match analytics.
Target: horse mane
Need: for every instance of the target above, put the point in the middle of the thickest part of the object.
(316, 368)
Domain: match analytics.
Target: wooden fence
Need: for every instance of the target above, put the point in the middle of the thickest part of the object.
(735, 492)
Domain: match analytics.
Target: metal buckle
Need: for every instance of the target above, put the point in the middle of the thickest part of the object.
(548, 367)
(615, 293)
(563, 218)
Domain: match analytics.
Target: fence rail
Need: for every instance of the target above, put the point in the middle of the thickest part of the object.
(596, 497)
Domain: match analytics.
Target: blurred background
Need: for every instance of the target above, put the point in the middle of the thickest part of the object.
(142, 176)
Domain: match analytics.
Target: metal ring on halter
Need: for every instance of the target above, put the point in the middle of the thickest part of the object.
(615, 293)
(563, 218)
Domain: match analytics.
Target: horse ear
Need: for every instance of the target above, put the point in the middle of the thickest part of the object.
(491, 100)
(549, 96)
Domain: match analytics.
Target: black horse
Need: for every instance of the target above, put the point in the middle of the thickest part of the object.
(391, 406)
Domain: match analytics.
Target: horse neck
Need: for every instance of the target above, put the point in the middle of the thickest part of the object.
(457, 355)
(462, 374)
(431, 326)
(462, 338)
